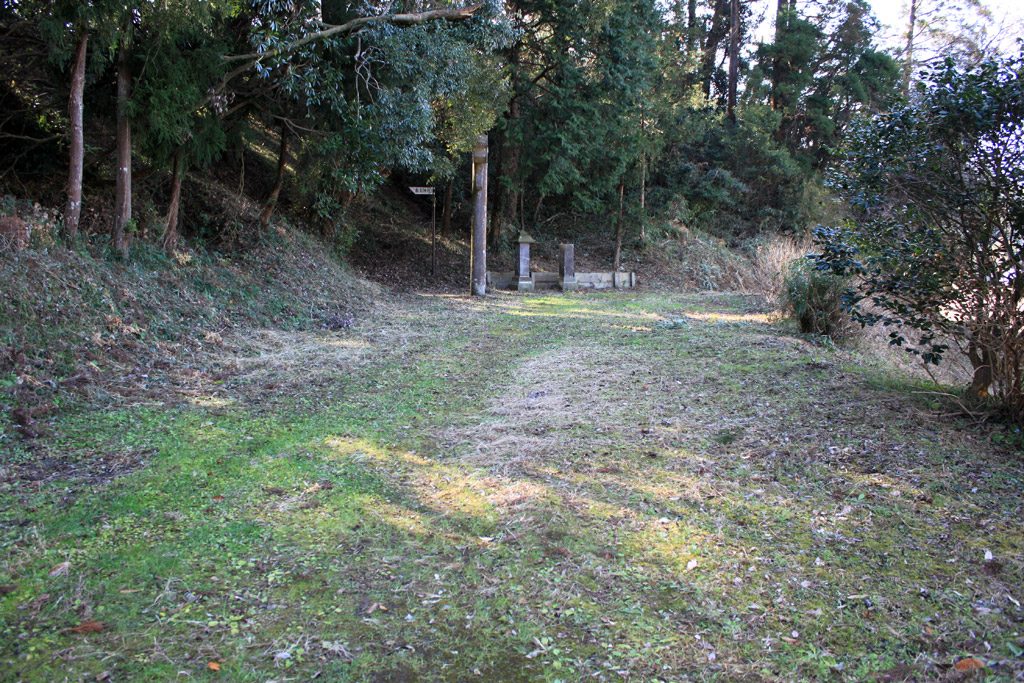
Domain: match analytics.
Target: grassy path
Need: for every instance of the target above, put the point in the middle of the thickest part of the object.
(646, 486)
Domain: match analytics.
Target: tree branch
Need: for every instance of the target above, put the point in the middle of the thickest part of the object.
(411, 19)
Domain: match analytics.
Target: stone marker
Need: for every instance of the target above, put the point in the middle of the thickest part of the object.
(524, 282)
(567, 267)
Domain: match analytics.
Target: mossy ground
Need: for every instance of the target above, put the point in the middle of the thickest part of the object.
(564, 487)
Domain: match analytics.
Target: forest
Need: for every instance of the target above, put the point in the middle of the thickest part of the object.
(254, 425)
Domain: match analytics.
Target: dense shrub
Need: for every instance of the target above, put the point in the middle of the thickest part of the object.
(771, 257)
(815, 298)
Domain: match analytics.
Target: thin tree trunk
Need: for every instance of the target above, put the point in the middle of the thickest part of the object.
(123, 187)
(170, 238)
(643, 198)
(509, 152)
(446, 220)
(619, 228)
(73, 211)
(734, 58)
(497, 159)
(241, 169)
(908, 62)
(275, 192)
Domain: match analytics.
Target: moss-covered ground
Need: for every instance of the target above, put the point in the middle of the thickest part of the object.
(548, 487)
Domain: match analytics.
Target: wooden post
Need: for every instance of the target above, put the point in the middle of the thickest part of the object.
(618, 228)
(433, 234)
(478, 263)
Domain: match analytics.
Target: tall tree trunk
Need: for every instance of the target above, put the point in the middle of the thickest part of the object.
(170, 238)
(73, 211)
(719, 30)
(692, 29)
(123, 186)
(908, 60)
(446, 220)
(275, 192)
(734, 58)
(619, 228)
(781, 24)
(509, 152)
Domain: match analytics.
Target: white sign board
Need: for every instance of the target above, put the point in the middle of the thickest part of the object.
(422, 190)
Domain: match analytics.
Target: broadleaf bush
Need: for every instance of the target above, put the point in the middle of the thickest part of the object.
(936, 240)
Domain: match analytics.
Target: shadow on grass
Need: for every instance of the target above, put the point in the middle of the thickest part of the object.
(354, 542)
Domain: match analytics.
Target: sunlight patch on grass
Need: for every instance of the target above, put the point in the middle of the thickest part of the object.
(726, 317)
(210, 401)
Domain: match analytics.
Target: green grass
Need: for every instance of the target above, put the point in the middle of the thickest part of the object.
(533, 488)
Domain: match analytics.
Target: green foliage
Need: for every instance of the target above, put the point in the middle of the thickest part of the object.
(815, 298)
(937, 189)
(738, 181)
(823, 70)
(585, 76)
(179, 55)
(389, 98)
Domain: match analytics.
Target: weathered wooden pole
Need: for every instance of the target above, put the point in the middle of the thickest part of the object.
(478, 263)
(433, 233)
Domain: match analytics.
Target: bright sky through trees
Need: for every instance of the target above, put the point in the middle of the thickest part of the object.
(893, 16)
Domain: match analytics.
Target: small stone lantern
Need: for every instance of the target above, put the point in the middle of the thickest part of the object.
(524, 281)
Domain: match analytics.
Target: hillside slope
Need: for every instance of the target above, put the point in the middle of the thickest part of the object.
(78, 325)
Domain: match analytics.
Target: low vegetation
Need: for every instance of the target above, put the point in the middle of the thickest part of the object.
(538, 488)
(79, 325)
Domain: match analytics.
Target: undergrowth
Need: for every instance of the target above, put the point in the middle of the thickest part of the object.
(80, 321)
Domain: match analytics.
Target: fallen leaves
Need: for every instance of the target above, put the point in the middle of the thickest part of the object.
(374, 607)
(338, 649)
(90, 626)
(969, 664)
(319, 486)
(60, 570)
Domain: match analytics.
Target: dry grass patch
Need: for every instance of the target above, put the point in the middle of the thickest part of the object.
(557, 402)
